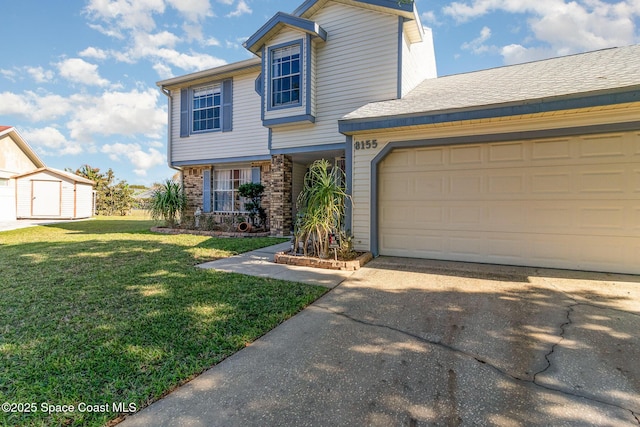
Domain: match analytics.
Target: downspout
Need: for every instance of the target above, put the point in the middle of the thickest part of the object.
(169, 132)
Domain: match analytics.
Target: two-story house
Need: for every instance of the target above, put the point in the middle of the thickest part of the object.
(533, 164)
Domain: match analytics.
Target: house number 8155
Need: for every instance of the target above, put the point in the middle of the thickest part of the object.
(366, 145)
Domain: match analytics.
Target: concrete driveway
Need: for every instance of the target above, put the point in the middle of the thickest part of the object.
(421, 343)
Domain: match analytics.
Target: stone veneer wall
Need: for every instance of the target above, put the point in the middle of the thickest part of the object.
(280, 211)
(192, 182)
(193, 186)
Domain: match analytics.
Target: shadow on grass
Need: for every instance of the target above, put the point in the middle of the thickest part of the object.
(123, 319)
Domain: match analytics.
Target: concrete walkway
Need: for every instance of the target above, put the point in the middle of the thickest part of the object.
(260, 263)
(421, 343)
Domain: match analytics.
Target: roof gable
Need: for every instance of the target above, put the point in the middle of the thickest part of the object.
(275, 24)
(22, 144)
(63, 174)
(309, 7)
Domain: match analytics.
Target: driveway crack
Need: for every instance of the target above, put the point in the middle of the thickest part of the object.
(484, 362)
(553, 347)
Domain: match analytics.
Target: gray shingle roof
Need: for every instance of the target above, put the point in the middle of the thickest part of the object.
(595, 72)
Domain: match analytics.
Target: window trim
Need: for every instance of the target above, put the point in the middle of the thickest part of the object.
(233, 191)
(216, 87)
(268, 92)
(226, 108)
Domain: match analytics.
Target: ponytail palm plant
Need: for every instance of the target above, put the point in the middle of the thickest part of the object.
(320, 206)
(168, 202)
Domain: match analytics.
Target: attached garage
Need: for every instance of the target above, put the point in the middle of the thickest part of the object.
(571, 202)
(48, 193)
(535, 164)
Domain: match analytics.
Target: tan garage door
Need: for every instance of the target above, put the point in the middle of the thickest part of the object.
(566, 203)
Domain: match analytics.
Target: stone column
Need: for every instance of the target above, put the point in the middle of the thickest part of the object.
(280, 209)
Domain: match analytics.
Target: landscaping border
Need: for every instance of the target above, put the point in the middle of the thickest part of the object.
(166, 230)
(330, 264)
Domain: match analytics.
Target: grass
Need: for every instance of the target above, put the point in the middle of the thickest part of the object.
(105, 312)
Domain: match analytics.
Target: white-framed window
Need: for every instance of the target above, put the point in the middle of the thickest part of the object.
(206, 106)
(4, 182)
(225, 192)
(285, 76)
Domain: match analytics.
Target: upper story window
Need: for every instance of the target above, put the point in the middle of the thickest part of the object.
(206, 108)
(285, 76)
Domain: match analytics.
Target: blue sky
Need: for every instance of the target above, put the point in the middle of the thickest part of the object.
(77, 78)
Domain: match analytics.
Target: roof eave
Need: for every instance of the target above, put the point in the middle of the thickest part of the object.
(529, 106)
(257, 40)
(309, 7)
(225, 71)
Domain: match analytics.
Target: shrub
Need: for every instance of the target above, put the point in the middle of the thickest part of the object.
(168, 202)
(320, 207)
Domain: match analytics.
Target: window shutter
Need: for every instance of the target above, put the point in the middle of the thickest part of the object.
(227, 107)
(258, 84)
(206, 191)
(255, 175)
(184, 113)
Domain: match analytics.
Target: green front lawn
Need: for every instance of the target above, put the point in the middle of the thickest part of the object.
(104, 312)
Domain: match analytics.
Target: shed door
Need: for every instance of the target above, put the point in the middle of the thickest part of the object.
(565, 203)
(45, 198)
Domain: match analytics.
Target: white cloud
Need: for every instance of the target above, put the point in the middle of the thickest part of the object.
(80, 71)
(477, 45)
(242, 8)
(50, 138)
(141, 160)
(126, 14)
(229, 2)
(164, 71)
(559, 27)
(39, 74)
(95, 53)
(9, 74)
(429, 17)
(34, 106)
(193, 10)
(117, 113)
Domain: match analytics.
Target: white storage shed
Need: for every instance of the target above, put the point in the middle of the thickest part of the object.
(48, 193)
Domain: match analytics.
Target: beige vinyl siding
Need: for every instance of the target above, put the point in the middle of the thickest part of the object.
(12, 159)
(286, 36)
(298, 173)
(361, 176)
(248, 137)
(356, 65)
(418, 61)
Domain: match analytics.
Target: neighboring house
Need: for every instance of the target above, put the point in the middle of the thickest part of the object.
(534, 164)
(15, 157)
(29, 189)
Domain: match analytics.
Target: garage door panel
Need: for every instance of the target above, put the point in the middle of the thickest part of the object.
(466, 155)
(506, 152)
(556, 213)
(610, 145)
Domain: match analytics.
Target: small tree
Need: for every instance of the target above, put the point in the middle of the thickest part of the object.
(321, 207)
(168, 202)
(253, 192)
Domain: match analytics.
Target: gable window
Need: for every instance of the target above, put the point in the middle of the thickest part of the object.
(206, 108)
(225, 194)
(285, 76)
